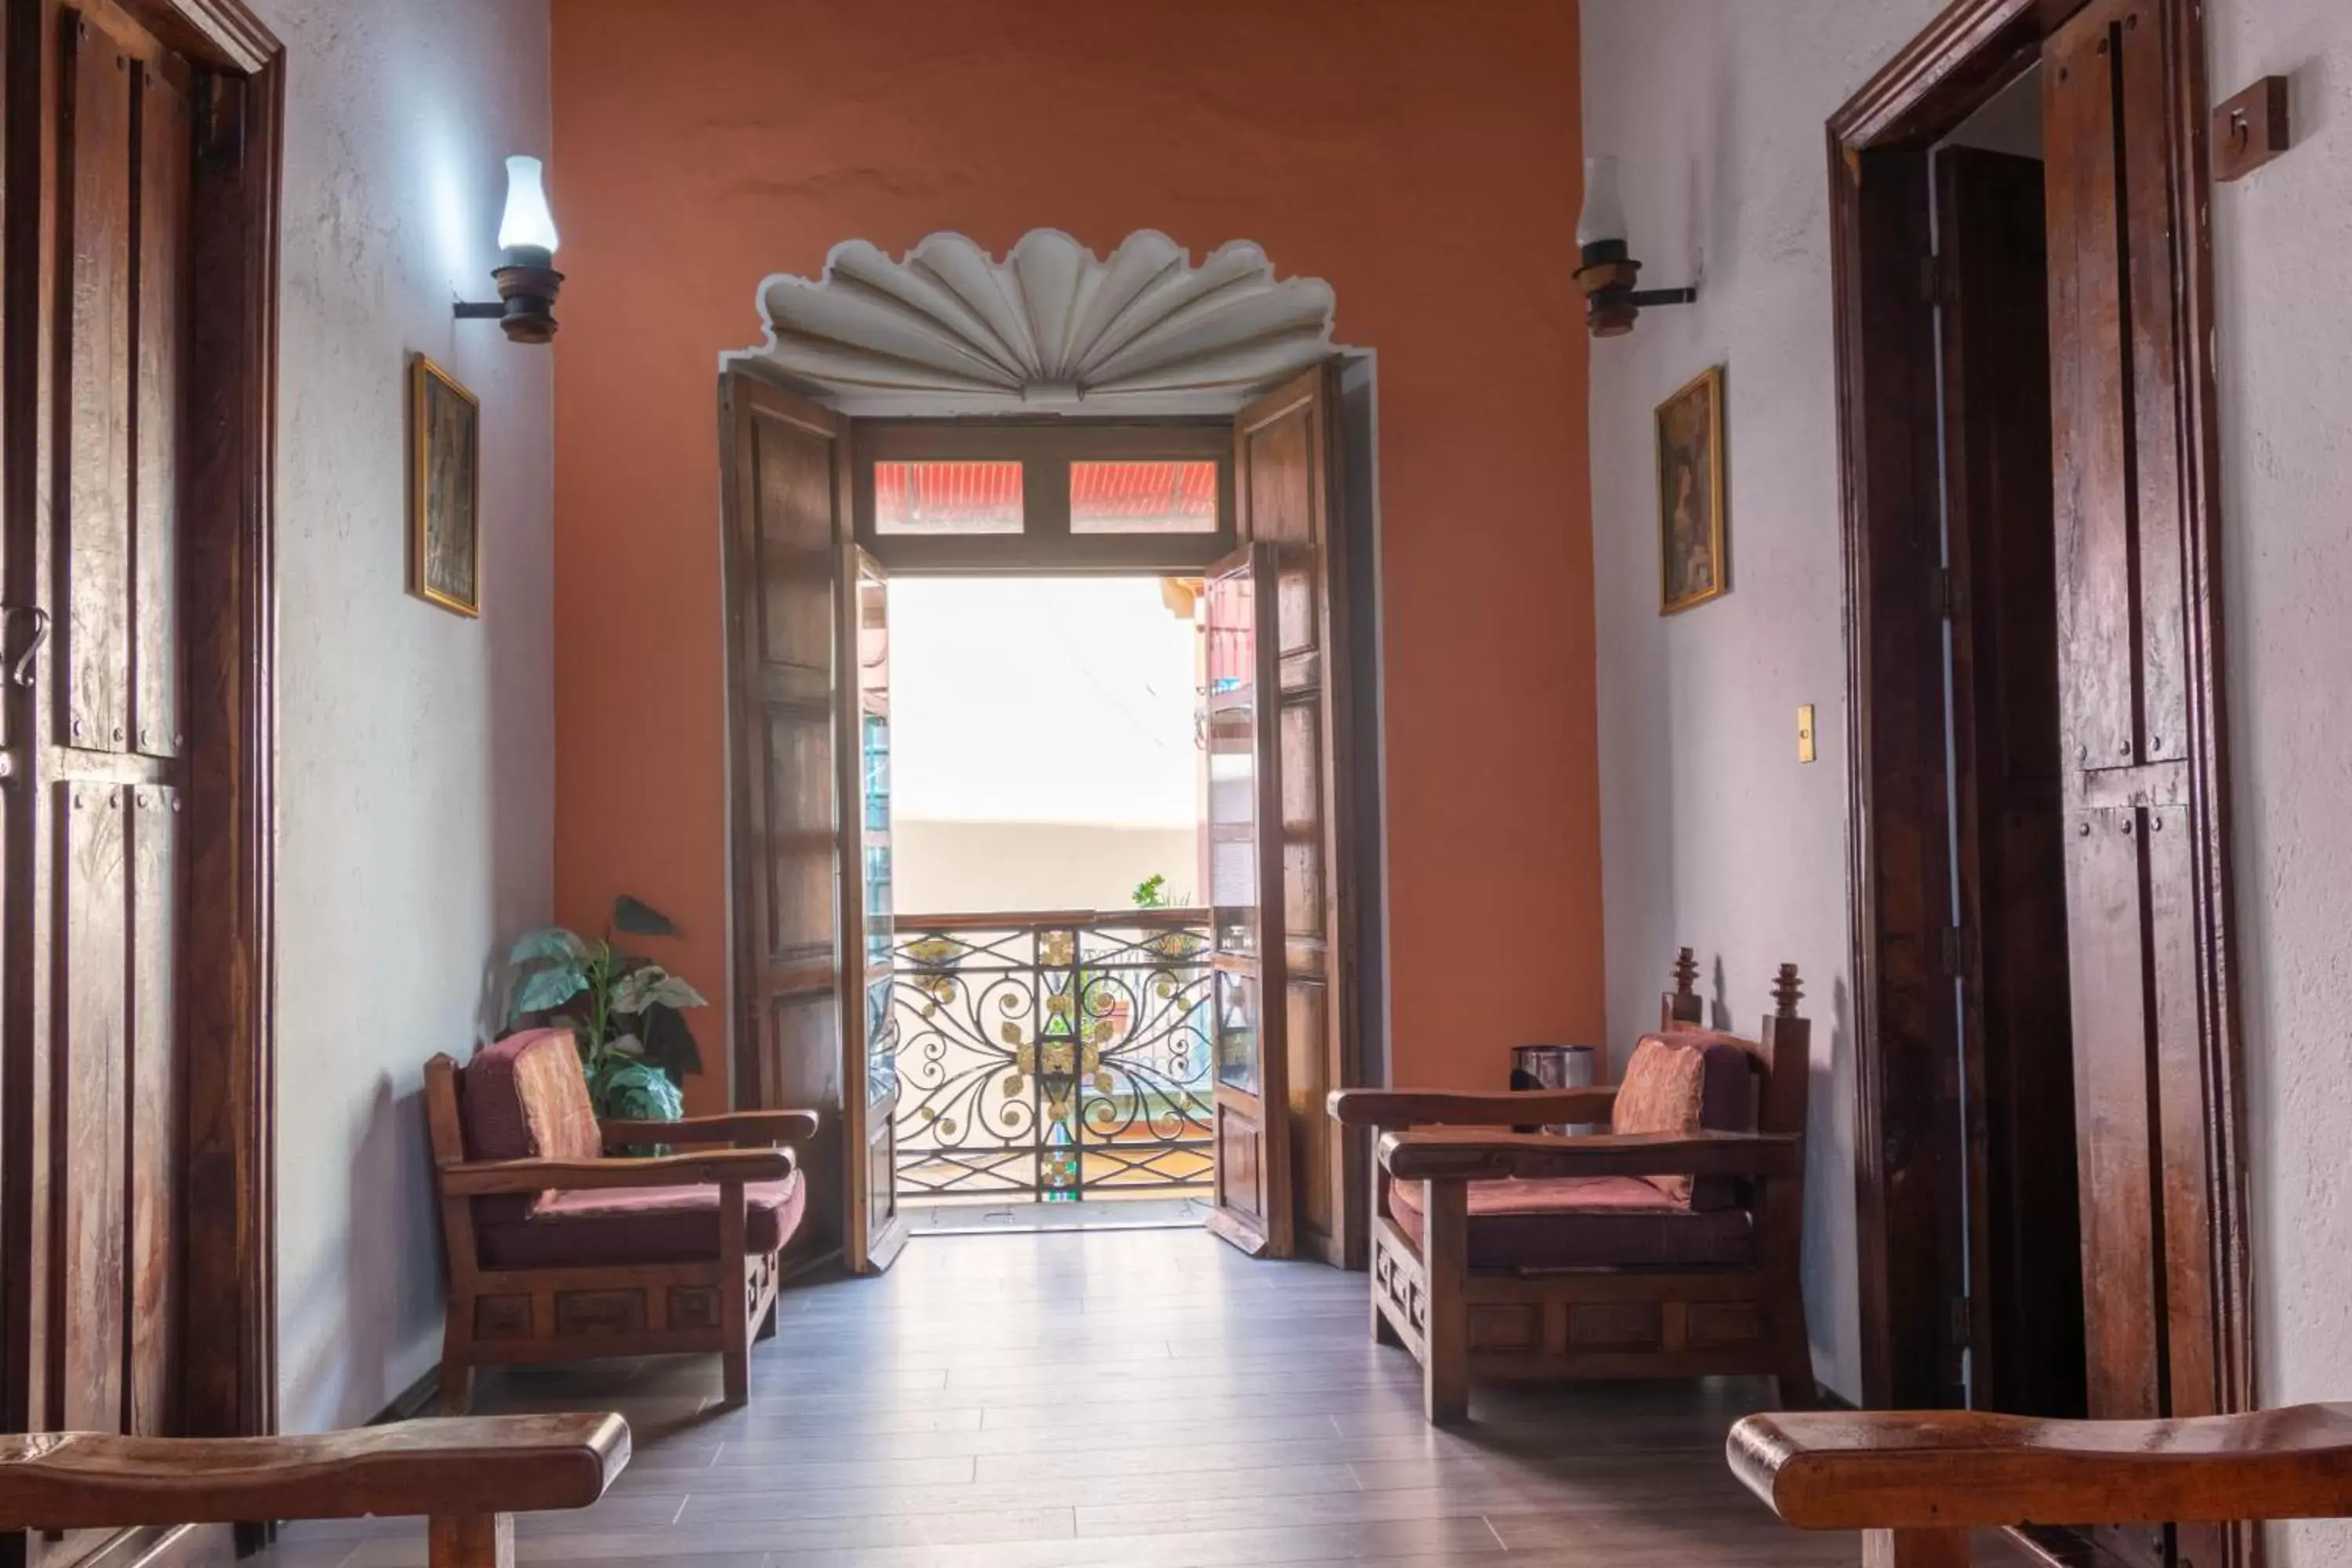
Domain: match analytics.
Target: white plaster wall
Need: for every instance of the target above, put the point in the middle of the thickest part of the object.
(415, 748)
(1715, 835)
(2285, 350)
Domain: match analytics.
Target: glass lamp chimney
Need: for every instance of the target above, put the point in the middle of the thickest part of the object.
(1604, 218)
(528, 224)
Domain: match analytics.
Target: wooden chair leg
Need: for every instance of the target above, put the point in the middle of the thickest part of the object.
(1445, 1340)
(734, 1303)
(768, 1320)
(1915, 1549)
(471, 1541)
(1794, 1358)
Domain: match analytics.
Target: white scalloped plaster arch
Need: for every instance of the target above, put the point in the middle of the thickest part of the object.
(1051, 329)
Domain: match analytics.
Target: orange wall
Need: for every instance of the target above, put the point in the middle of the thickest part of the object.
(1422, 157)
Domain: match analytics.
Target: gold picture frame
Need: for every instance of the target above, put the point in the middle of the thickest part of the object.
(1693, 560)
(445, 515)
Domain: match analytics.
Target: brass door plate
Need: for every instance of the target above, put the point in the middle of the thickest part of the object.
(1805, 734)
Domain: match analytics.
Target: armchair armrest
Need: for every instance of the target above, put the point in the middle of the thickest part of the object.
(1472, 1155)
(458, 1468)
(1426, 1108)
(487, 1178)
(741, 1128)
(1923, 1471)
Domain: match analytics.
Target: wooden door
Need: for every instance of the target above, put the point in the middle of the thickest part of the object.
(2141, 751)
(876, 1228)
(95, 742)
(786, 465)
(1252, 1127)
(1286, 491)
(2023, 1281)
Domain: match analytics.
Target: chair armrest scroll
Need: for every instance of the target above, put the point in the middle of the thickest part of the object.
(1468, 1154)
(1893, 1469)
(487, 1178)
(750, 1129)
(482, 1465)
(1427, 1108)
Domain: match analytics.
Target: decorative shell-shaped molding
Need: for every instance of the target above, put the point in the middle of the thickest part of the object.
(1052, 328)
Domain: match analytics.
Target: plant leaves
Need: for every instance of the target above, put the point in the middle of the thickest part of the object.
(545, 988)
(553, 943)
(625, 1046)
(638, 918)
(670, 1043)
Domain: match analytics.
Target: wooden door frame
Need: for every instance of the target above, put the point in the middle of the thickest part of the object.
(227, 1184)
(1887, 415)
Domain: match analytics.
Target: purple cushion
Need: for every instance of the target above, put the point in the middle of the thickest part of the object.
(638, 1225)
(1585, 1222)
(1686, 1080)
(526, 1097)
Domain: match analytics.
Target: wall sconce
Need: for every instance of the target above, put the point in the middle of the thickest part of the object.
(1609, 269)
(526, 278)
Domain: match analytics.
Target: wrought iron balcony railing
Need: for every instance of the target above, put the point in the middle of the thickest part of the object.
(1054, 1057)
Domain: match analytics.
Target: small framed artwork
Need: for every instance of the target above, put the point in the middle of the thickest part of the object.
(445, 531)
(1693, 565)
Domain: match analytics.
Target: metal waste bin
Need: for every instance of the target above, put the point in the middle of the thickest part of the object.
(1555, 1066)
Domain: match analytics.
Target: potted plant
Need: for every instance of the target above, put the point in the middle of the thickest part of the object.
(624, 1011)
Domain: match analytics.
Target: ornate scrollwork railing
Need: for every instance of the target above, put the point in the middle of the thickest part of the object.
(1058, 1055)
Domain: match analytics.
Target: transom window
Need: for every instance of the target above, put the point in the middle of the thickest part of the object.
(983, 495)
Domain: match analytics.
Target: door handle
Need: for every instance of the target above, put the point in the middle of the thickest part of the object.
(20, 669)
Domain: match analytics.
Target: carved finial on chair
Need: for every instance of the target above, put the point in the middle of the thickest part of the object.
(1686, 973)
(1786, 991)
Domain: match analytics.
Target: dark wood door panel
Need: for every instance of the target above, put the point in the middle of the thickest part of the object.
(166, 158)
(155, 1220)
(90, 1043)
(97, 299)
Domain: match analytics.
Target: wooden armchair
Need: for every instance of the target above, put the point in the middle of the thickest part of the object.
(470, 1477)
(1668, 1247)
(559, 1251)
(1915, 1482)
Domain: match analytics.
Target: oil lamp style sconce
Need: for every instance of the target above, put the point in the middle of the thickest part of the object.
(1611, 303)
(526, 278)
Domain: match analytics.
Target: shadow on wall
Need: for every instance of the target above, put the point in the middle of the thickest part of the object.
(392, 1230)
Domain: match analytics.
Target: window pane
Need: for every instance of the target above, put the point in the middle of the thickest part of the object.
(1143, 498)
(947, 497)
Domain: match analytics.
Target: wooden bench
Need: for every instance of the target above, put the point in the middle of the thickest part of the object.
(469, 1476)
(1915, 1482)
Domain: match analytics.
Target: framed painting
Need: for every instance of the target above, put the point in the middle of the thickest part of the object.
(445, 534)
(1693, 564)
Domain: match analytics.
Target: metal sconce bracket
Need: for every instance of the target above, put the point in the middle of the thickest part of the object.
(1611, 303)
(528, 286)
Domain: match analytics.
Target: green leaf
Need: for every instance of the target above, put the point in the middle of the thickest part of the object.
(651, 985)
(638, 918)
(545, 988)
(625, 1046)
(555, 943)
(636, 1092)
(669, 1042)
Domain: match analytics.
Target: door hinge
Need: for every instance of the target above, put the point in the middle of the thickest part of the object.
(1935, 281)
(1956, 952)
(1944, 590)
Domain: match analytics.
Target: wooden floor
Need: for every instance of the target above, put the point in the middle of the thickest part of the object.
(1107, 1399)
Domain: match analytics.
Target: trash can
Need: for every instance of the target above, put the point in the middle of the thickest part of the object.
(1555, 1066)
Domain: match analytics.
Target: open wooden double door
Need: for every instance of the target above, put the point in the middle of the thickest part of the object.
(808, 655)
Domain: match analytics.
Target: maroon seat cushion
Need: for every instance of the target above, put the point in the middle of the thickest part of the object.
(637, 1225)
(526, 1097)
(1585, 1222)
(1687, 1081)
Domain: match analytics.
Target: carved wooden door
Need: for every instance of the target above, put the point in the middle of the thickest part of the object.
(94, 746)
(1252, 1123)
(2141, 751)
(787, 467)
(1285, 495)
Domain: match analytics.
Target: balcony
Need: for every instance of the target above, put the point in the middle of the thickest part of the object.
(1053, 1057)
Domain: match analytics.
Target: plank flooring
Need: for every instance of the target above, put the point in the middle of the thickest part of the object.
(1120, 1399)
